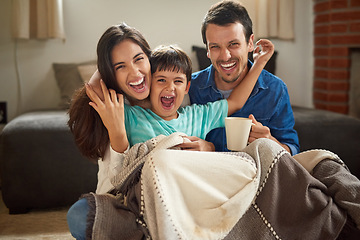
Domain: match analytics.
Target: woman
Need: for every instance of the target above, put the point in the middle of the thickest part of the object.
(123, 63)
(90, 132)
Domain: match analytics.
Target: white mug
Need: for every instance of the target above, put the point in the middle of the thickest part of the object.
(237, 132)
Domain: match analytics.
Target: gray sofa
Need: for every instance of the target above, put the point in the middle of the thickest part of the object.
(335, 132)
(41, 167)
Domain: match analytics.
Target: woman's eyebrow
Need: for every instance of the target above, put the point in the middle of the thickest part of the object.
(140, 53)
(118, 63)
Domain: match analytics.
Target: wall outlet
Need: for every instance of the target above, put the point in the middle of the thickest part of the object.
(3, 113)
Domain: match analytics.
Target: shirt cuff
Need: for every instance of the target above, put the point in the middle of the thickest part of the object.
(293, 149)
(114, 153)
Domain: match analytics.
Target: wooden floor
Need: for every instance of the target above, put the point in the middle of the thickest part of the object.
(44, 224)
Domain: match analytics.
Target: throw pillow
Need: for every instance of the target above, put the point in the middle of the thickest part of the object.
(201, 55)
(86, 71)
(68, 79)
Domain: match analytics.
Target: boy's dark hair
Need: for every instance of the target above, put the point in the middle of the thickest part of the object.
(224, 13)
(171, 58)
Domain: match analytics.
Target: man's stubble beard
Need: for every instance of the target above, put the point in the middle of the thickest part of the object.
(236, 78)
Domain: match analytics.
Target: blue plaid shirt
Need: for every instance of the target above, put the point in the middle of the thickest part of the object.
(269, 102)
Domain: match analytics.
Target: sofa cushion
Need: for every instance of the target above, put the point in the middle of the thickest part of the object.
(40, 164)
(338, 133)
(68, 79)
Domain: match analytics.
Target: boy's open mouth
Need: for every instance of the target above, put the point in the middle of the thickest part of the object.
(139, 85)
(167, 101)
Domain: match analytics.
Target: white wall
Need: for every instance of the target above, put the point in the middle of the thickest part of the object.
(161, 22)
(295, 59)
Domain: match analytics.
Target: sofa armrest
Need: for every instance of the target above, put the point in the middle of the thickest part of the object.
(40, 165)
(338, 133)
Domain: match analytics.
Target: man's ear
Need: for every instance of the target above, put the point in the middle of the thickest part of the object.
(207, 52)
(187, 87)
(251, 43)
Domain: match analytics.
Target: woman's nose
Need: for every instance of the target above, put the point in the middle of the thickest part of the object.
(134, 70)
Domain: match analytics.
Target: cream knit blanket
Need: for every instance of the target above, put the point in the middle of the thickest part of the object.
(203, 195)
(196, 195)
(187, 194)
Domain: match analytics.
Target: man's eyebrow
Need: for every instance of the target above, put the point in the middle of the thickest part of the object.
(232, 41)
(137, 55)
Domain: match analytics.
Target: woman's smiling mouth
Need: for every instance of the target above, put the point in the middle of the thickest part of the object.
(138, 86)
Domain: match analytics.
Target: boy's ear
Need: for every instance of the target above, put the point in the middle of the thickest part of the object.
(187, 87)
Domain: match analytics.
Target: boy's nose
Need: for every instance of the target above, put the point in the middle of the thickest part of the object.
(170, 86)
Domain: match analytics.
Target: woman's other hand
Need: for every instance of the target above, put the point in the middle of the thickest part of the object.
(111, 111)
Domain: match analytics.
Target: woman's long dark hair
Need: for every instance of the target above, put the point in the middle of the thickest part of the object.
(89, 132)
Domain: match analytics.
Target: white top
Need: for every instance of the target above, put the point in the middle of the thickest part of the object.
(109, 166)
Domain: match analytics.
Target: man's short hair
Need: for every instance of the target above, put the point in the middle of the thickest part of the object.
(227, 12)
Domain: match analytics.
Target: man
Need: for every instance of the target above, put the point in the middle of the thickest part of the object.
(228, 36)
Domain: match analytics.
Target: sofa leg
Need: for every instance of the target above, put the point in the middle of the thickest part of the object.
(18, 210)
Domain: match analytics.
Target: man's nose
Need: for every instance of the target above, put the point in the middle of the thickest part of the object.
(225, 54)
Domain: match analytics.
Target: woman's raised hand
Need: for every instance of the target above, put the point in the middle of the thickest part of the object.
(111, 111)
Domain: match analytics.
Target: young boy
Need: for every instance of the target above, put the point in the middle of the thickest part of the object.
(171, 74)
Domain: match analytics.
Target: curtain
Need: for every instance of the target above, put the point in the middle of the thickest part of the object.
(272, 18)
(38, 19)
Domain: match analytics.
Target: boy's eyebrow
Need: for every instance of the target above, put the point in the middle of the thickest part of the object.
(137, 55)
(163, 76)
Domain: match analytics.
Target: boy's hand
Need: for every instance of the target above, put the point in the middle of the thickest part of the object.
(196, 144)
(264, 54)
(94, 82)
